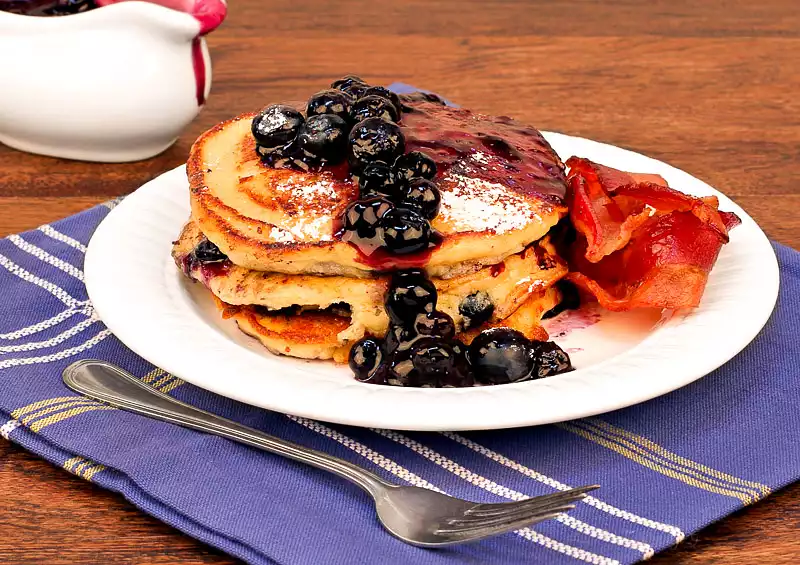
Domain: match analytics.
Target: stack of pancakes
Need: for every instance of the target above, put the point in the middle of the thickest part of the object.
(291, 282)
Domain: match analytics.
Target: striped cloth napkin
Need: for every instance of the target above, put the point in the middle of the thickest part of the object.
(667, 467)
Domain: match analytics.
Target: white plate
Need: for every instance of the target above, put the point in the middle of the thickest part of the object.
(621, 360)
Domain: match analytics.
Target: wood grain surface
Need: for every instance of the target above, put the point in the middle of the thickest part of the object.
(709, 86)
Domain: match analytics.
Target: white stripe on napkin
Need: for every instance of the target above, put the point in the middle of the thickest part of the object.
(674, 531)
(50, 231)
(46, 257)
(53, 289)
(406, 475)
(506, 492)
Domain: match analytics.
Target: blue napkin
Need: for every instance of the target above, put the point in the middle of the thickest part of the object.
(667, 467)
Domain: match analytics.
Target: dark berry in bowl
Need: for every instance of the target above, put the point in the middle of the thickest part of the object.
(276, 125)
(423, 196)
(410, 293)
(376, 179)
(375, 139)
(384, 92)
(500, 355)
(373, 107)
(330, 101)
(435, 324)
(207, 252)
(362, 220)
(405, 231)
(365, 358)
(414, 164)
(323, 138)
(549, 359)
(433, 358)
(476, 308)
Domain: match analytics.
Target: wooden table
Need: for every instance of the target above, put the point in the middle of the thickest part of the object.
(711, 86)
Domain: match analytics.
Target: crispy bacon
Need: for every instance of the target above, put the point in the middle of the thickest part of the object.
(641, 243)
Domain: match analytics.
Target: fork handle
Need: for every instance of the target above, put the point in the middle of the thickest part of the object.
(113, 385)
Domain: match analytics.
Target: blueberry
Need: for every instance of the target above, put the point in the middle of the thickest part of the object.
(375, 139)
(285, 156)
(207, 252)
(373, 107)
(461, 374)
(501, 355)
(399, 338)
(414, 164)
(365, 358)
(433, 358)
(276, 125)
(376, 179)
(435, 324)
(549, 359)
(362, 220)
(401, 371)
(356, 89)
(346, 81)
(330, 101)
(384, 92)
(405, 231)
(410, 293)
(323, 139)
(476, 308)
(423, 196)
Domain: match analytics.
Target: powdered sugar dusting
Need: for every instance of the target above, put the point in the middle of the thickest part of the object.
(474, 204)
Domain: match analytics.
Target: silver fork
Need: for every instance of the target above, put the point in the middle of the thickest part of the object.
(415, 515)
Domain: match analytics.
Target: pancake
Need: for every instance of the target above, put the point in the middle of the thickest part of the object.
(502, 188)
(313, 334)
(506, 285)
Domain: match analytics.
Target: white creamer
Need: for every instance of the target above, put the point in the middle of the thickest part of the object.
(113, 84)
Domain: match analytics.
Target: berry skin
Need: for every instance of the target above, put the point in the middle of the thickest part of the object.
(207, 252)
(376, 180)
(501, 355)
(384, 92)
(362, 221)
(433, 358)
(375, 139)
(423, 196)
(410, 294)
(347, 81)
(414, 164)
(476, 308)
(405, 231)
(549, 359)
(373, 107)
(330, 101)
(276, 125)
(435, 324)
(323, 139)
(365, 358)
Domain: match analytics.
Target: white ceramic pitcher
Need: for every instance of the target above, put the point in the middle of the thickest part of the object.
(117, 83)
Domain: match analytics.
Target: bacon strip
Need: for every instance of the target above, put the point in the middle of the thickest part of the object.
(641, 243)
